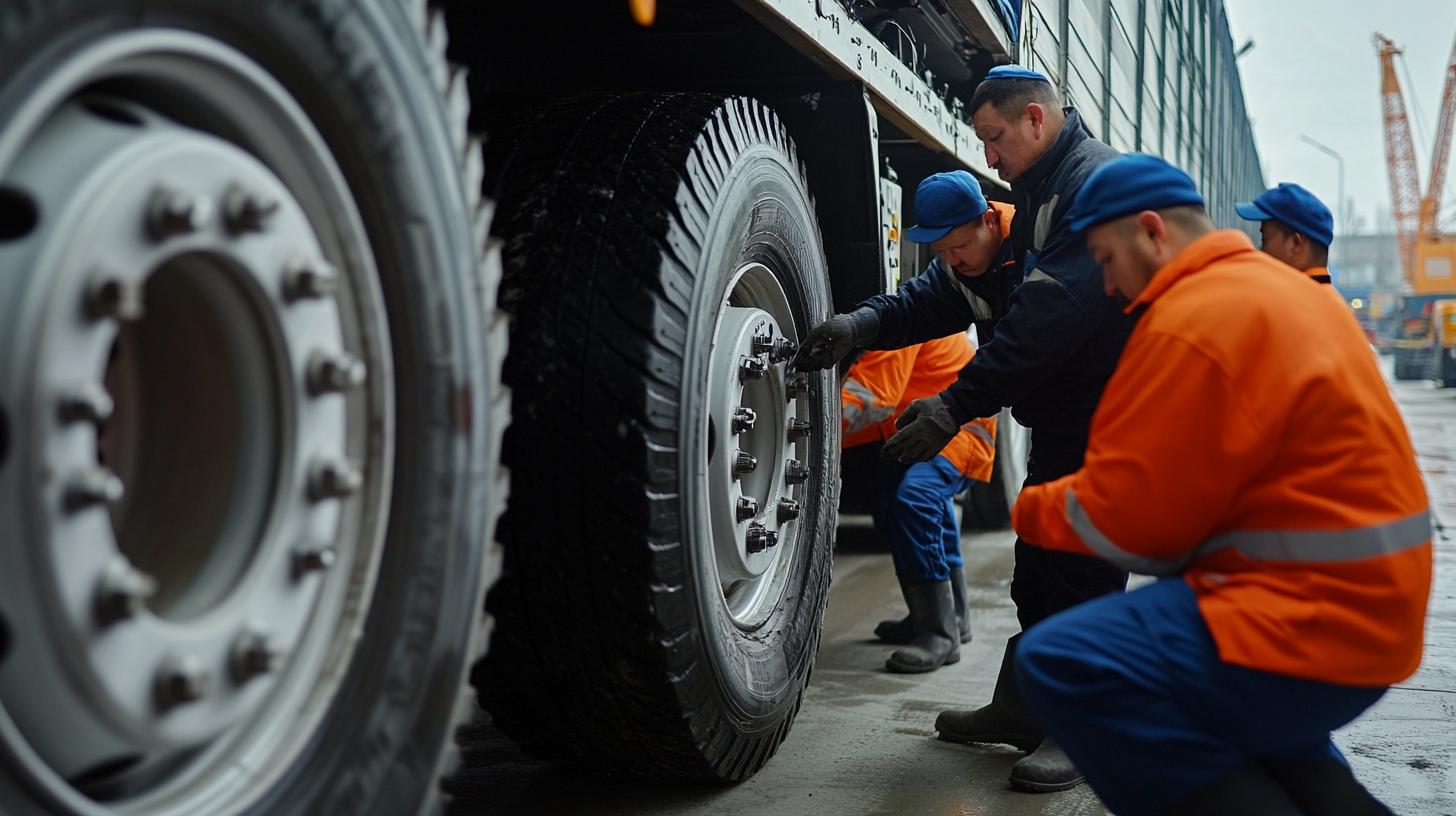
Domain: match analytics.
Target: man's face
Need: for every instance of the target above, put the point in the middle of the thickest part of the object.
(1012, 145)
(1129, 256)
(970, 249)
(1279, 242)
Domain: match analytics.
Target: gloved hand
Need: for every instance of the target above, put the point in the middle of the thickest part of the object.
(925, 429)
(831, 341)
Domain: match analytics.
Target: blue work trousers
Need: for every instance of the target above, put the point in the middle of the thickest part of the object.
(915, 515)
(1132, 687)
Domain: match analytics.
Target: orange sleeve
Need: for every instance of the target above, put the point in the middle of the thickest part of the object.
(872, 391)
(1172, 443)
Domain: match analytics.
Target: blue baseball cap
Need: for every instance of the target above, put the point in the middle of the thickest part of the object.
(943, 202)
(1127, 185)
(1015, 72)
(1294, 207)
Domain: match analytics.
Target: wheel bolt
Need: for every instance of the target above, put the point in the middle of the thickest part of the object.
(312, 559)
(747, 508)
(751, 368)
(788, 510)
(783, 349)
(799, 429)
(743, 419)
(88, 403)
(744, 462)
(333, 479)
(181, 680)
(94, 487)
(254, 655)
(763, 343)
(243, 212)
(173, 212)
(122, 594)
(309, 280)
(761, 538)
(114, 298)
(795, 472)
(334, 373)
(796, 385)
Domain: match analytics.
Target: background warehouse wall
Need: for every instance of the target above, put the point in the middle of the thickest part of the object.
(1154, 76)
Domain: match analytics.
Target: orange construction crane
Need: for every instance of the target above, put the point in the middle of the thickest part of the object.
(1417, 217)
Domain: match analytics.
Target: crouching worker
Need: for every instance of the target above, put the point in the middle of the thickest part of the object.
(1251, 454)
(915, 511)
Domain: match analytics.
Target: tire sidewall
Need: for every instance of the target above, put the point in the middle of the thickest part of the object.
(765, 216)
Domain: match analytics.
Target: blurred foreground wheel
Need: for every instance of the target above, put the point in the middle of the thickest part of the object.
(249, 364)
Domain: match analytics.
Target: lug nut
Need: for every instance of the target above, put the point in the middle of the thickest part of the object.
(94, 487)
(796, 385)
(761, 538)
(799, 429)
(334, 373)
(333, 479)
(243, 212)
(763, 342)
(743, 419)
(747, 508)
(180, 680)
(309, 279)
(114, 298)
(122, 594)
(788, 510)
(88, 403)
(744, 462)
(173, 212)
(751, 368)
(795, 472)
(312, 559)
(783, 349)
(254, 655)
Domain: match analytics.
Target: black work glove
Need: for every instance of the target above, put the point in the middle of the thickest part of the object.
(926, 428)
(831, 341)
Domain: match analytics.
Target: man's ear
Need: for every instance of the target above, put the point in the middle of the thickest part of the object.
(1037, 114)
(992, 219)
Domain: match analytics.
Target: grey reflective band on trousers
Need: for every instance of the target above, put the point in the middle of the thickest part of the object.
(979, 430)
(1308, 546)
(871, 414)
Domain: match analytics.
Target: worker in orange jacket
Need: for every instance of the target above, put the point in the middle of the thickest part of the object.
(915, 512)
(1294, 227)
(1252, 455)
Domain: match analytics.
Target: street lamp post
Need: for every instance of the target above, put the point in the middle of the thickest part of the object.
(1342, 224)
(1329, 151)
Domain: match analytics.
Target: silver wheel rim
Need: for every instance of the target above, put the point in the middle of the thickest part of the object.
(198, 374)
(756, 433)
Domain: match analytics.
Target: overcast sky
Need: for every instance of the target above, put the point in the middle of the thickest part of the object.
(1314, 71)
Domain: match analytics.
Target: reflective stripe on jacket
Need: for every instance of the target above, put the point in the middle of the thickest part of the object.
(1248, 441)
(883, 383)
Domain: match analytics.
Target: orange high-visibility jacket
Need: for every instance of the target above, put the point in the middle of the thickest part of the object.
(1248, 441)
(883, 383)
(1318, 274)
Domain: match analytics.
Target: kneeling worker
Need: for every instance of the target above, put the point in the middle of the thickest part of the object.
(1294, 227)
(915, 511)
(1251, 454)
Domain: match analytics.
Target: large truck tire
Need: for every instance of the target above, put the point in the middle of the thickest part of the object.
(660, 611)
(249, 376)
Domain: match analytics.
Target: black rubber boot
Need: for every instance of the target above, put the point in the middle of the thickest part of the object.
(1325, 786)
(936, 642)
(900, 632)
(1244, 790)
(1005, 721)
(1045, 770)
(963, 612)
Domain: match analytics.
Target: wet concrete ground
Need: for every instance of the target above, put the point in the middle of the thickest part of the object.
(864, 742)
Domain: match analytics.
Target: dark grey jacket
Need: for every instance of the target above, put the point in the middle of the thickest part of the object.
(1054, 335)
